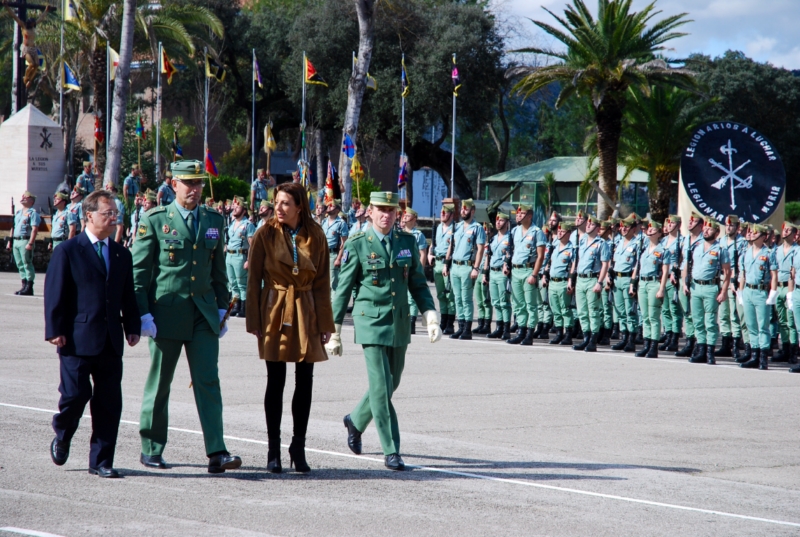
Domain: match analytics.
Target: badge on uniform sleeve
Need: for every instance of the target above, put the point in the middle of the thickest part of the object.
(345, 256)
(165, 229)
(142, 230)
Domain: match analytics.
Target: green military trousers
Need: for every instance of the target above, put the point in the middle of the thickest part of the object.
(729, 317)
(384, 369)
(757, 315)
(483, 301)
(237, 274)
(785, 318)
(623, 304)
(446, 304)
(334, 274)
(501, 299)
(56, 242)
(796, 307)
(463, 287)
(587, 301)
(560, 302)
(607, 303)
(686, 310)
(650, 308)
(704, 313)
(544, 313)
(525, 298)
(24, 260)
(202, 352)
(671, 310)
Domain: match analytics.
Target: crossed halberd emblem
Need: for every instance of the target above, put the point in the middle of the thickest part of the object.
(730, 173)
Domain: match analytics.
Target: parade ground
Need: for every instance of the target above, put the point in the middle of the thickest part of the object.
(502, 440)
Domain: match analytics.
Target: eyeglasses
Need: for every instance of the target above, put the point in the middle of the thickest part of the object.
(108, 214)
(191, 183)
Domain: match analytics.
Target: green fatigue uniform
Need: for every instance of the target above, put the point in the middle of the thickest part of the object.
(466, 238)
(422, 243)
(686, 247)
(444, 235)
(498, 282)
(134, 184)
(179, 278)
(24, 222)
(336, 233)
(239, 234)
(59, 227)
(167, 194)
(670, 310)
(707, 266)
(75, 216)
(626, 255)
(545, 313)
(730, 313)
(651, 262)
(607, 298)
(120, 214)
(785, 261)
(259, 191)
(86, 182)
(560, 301)
(592, 253)
(483, 299)
(525, 297)
(384, 274)
(758, 315)
(796, 296)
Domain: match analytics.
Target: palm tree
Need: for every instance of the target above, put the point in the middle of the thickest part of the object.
(603, 58)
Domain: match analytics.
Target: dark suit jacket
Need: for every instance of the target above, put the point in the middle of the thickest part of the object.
(85, 306)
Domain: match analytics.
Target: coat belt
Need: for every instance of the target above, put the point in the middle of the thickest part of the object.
(289, 306)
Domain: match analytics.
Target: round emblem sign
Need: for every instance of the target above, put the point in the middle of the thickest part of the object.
(729, 168)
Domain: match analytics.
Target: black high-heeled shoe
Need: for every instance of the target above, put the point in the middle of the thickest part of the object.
(274, 462)
(297, 455)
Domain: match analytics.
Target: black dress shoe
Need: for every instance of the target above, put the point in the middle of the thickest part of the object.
(104, 472)
(394, 462)
(59, 451)
(353, 436)
(217, 464)
(153, 461)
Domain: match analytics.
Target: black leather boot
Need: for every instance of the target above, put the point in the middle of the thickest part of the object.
(467, 333)
(653, 352)
(529, 338)
(24, 285)
(710, 359)
(242, 309)
(673, 345)
(546, 331)
(577, 330)
(413, 325)
(793, 354)
(615, 331)
(603, 338)
(514, 327)
(687, 349)
(443, 322)
(553, 328)
(639, 336)
(567, 337)
(558, 337)
(506, 331)
(583, 344)
(764, 361)
(699, 354)
(726, 348)
(746, 356)
(663, 338)
(645, 349)
(449, 329)
(236, 307)
(479, 329)
(537, 330)
(773, 343)
(297, 455)
(487, 326)
(667, 340)
(783, 355)
(516, 340)
(592, 346)
(619, 345)
(28, 291)
(498, 331)
(754, 361)
(274, 456)
(457, 333)
(630, 344)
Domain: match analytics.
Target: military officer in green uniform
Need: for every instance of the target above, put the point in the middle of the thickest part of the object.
(442, 237)
(59, 226)
(559, 284)
(529, 245)
(498, 254)
(26, 226)
(384, 265)
(466, 253)
(336, 232)
(689, 243)
(784, 257)
(410, 226)
(627, 252)
(86, 179)
(651, 276)
(670, 309)
(591, 266)
(182, 293)
(131, 185)
(240, 235)
(757, 294)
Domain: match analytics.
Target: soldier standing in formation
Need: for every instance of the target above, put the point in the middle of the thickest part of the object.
(559, 284)
(690, 242)
(410, 226)
(757, 292)
(59, 225)
(625, 259)
(591, 266)
(336, 230)
(132, 185)
(26, 226)
(729, 315)
(166, 194)
(499, 251)
(75, 209)
(784, 257)
(86, 179)
(529, 245)
(651, 275)
(442, 237)
(671, 310)
(240, 235)
(483, 300)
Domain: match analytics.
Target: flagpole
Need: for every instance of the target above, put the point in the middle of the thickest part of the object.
(303, 123)
(253, 141)
(108, 102)
(205, 114)
(60, 74)
(403, 127)
(158, 110)
(269, 151)
(453, 145)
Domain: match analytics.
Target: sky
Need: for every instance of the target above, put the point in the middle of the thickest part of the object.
(765, 30)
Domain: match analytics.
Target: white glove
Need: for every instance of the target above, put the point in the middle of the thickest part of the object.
(148, 326)
(432, 321)
(739, 298)
(334, 346)
(772, 298)
(789, 302)
(224, 329)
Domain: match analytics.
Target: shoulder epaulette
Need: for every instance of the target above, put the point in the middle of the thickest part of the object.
(156, 210)
(357, 235)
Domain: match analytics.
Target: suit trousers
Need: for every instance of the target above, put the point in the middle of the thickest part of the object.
(384, 369)
(462, 291)
(237, 274)
(78, 373)
(446, 303)
(202, 353)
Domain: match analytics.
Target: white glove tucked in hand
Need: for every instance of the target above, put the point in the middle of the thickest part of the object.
(789, 302)
(772, 298)
(739, 298)
(148, 326)
(432, 322)
(334, 346)
(224, 329)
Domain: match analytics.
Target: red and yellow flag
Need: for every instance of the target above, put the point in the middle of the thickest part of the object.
(312, 76)
(166, 66)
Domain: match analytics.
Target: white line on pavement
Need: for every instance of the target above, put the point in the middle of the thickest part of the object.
(475, 476)
(22, 531)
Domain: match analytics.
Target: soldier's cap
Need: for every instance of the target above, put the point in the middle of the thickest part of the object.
(524, 207)
(77, 191)
(336, 203)
(86, 163)
(28, 194)
(134, 167)
(239, 200)
(790, 226)
(759, 228)
(613, 221)
(710, 222)
(502, 215)
(606, 224)
(674, 218)
(593, 219)
(188, 170)
(580, 214)
(265, 203)
(731, 220)
(169, 174)
(695, 215)
(654, 224)
(770, 227)
(569, 227)
(61, 196)
(448, 208)
(468, 203)
(361, 212)
(412, 212)
(150, 195)
(111, 186)
(260, 171)
(630, 220)
(384, 199)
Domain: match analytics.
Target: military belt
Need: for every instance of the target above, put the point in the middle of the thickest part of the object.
(498, 269)
(524, 265)
(783, 284)
(439, 258)
(649, 278)
(759, 287)
(22, 238)
(558, 280)
(623, 274)
(713, 281)
(238, 251)
(589, 275)
(462, 263)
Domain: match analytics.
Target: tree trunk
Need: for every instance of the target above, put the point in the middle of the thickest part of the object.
(355, 94)
(121, 90)
(424, 153)
(502, 145)
(609, 129)
(98, 71)
(659, 200)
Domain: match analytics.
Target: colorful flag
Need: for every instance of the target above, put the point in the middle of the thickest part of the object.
(456, 78)
(40, 63)
(402, 177)
(356, 171)
(269, 140)
(214, 69)
(177, 150)
(99, 135)
(69, 78)
(329, 184)
(312, 77)
(257, 72)
(404, 83)
(139, 127)
(211, 168)
(348, 147)
(370, 80)
(70, 9)
(166, 66)
(113, 63)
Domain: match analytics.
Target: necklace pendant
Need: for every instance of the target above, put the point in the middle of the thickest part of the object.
(295, 270)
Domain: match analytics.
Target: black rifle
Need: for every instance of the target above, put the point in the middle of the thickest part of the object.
(676, 271)
(689, 263)
(612, 276)
(635, 283)
(10, 239)
(735, 266)
(548, 257)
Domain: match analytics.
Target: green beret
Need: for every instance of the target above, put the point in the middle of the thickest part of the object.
(710, 222)
(61, 196)
(239, 200)
(150, 195)
(758, 228)
(412, 212)
(631, 220)
(653, 223)
(448, 208)
(606, 224)
(468, 203)
(567, 226)
(502, 215)
(524, 207)
(384, 199)
(28, 194)
(188, 169)
(731, 220)
(593, 219)
(674, 218)
(265, 203)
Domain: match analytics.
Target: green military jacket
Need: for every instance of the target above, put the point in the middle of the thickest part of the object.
(174, 272)
(382, 282)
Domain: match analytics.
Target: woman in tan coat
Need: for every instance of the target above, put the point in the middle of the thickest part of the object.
(289, 310)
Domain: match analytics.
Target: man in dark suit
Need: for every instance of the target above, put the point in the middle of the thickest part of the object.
(88, 301)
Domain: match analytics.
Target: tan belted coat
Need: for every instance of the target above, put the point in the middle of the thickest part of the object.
(291, 311)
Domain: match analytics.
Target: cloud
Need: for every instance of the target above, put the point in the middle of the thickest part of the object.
(760, 45)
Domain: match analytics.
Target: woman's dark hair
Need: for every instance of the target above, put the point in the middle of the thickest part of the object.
(300, 196)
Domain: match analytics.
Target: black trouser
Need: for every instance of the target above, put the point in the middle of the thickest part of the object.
(301, 402)
(104, 398)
